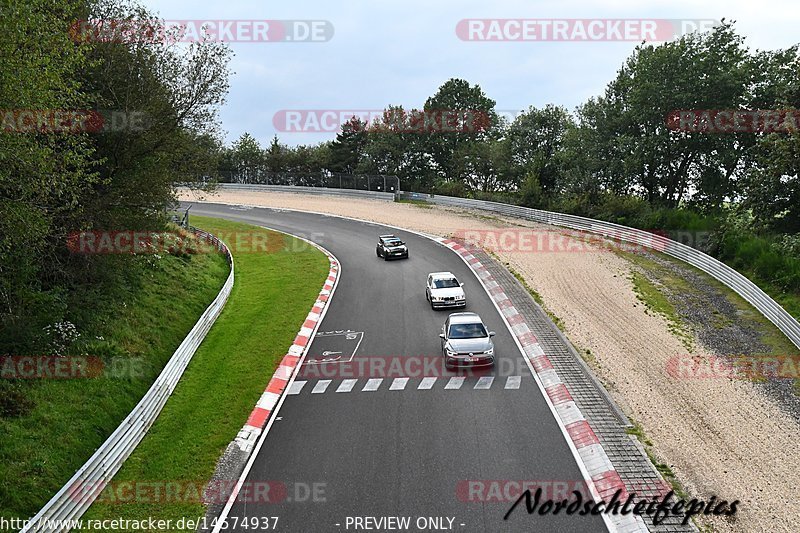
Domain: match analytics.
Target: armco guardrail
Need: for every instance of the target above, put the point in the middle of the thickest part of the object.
(722, 272)
(349, 193)
(86, 485)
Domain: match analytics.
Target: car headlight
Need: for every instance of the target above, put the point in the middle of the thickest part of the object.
(449, 352)
(460, 297)
(490, 351)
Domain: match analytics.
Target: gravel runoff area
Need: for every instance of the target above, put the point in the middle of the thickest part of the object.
(721, 437)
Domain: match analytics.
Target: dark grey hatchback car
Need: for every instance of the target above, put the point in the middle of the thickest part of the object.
(391, 247)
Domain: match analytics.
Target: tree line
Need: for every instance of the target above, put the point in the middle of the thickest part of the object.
(95, 130)
(628, 155)
(615, 147)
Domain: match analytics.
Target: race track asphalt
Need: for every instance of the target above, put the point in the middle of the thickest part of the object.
(418, 453)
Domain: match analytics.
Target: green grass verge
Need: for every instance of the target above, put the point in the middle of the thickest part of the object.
(272, 295)
(139, 315)
(778, 343)
(655, 301)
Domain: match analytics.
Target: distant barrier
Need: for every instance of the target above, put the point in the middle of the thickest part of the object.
(347, 193)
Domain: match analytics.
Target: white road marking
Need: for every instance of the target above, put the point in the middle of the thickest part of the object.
(484, 382)
(321, 386)
(398, 384)
(426, 384)
(454, 383)
(347, 385)
(296, 387)
(372, 384)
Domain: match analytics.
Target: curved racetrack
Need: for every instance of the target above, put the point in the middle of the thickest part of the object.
(411, 451)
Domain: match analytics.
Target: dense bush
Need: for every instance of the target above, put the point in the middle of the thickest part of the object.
(55, 183)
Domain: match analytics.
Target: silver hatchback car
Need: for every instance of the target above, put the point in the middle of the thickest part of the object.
(466, 342)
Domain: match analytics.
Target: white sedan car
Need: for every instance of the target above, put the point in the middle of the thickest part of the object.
(443, 290)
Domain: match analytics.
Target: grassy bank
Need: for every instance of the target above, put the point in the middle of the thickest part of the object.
(657, 300)
(132, 322)
(271, 297)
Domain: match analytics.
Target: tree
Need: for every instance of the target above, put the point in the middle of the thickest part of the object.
(161, 99)
(459, 114)
(394, 147)
(773, 188)
(44, 176)
(159, 108)
(248, 159)
(275, 158)
(536, 137)
(772, 183)
(626, 135)
(483, 166)
(347, 150)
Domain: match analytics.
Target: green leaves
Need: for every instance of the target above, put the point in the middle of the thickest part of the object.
(347, 150)
(160, 103)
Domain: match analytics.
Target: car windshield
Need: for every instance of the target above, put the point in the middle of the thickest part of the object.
(467, 331)
(445, 283)
(393, 242)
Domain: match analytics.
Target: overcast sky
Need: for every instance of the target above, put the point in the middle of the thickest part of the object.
(400, 52)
